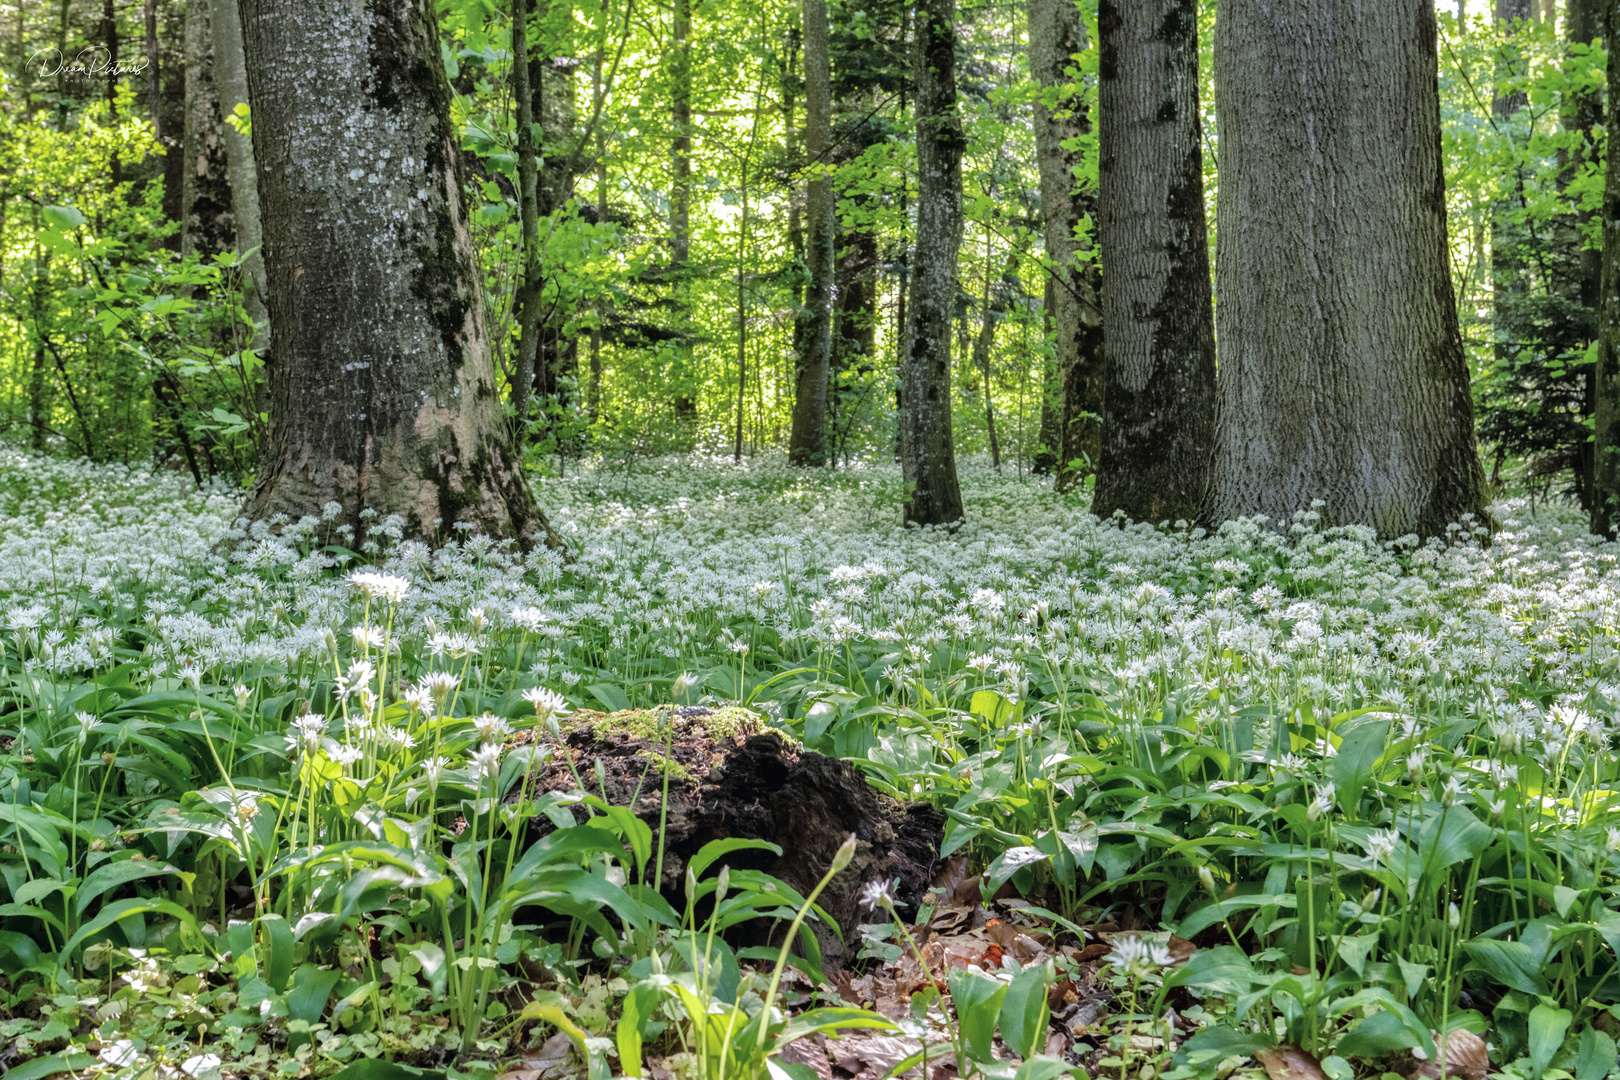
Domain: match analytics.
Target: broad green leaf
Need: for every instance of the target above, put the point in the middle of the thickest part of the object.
(1548, 1025)
(1595, 1058)
(1023, 1010)
(1510, 963)
(1353, 765)
(977, 1002)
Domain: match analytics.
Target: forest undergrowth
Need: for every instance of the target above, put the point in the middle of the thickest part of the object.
(1292, 800)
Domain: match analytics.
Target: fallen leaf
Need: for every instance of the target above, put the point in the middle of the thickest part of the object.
(812, 1052)
(1289, 1062)
(1466, 1058)
(869, 1056)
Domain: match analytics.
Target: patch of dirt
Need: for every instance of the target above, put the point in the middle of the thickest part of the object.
(729, 775)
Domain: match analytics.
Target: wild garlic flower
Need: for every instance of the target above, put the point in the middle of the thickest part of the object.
(305, 734)
(875, 894)
(547, 703)
(384, 587)
(486, 760)
(439, 684)
(1133, 955)
(433, 769)
(1381, 845)
(491, 728)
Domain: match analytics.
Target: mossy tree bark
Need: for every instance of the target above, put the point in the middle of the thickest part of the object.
(1072, 431)
(381, 387)
(1342, 369)
(1158, 325)
(1606, 412)
(807, 442)
(927, 449)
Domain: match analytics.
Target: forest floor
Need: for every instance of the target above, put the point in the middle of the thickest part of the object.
(1126, 802)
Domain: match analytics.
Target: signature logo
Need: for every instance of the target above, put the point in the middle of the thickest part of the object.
(93, 61)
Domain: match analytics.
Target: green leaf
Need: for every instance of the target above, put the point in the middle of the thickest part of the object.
(639, 1005)
(1381, 1033)
(1222, 970)
(978, 1002)
(1216, 1043)
(613, 698)
(1510, 963)
(1023, 1010)
(1548, 1025)
(62, 217)
(1011, 861)
(50, 1066)
(109, 876)
(378, 1069)
(716, 849)
(281, 947)
(123, 909)
(1355, 950)
(307, 999)
(1596, 1057)
(1449, 837)
(1351, 768)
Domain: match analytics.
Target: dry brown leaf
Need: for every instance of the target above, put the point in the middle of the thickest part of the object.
(811, 1051)
(951, 874)
(555, 1058)
(869, 1056)
(1466, 1058)
(1016, 944)
(1289, 1062)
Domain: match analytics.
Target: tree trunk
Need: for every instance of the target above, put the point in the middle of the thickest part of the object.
(1508, 291)
(991, 311)
(927, 450)
(1342, 370)
(381, 384)
(1049, 435)
(528, 288)
(1583, 25)
(1606, 413)
(154, 92)
(1158, 327)
(807, 443)
(1056, 34)
(230, 79)
(207, 224)
(553, 108)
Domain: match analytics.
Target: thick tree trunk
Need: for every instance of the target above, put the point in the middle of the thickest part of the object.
(207, 224)
(230, 80)
(1583, 115)
(807, 444)
(381, 384)
(1158, 326)
(1056, 34)
(927, 450)
(528, 288)
(1342, 370)
(1606, 414)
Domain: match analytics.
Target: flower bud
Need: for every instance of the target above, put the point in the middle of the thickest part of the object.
(845, 854)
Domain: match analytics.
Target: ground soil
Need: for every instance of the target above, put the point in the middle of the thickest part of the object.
(745, 780)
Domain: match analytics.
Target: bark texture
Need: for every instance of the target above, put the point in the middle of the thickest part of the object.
(1606, 412)
(230, 80)
(807, 443)
(1342, 369)
(207, 224)
(381, 387)
(1158, 325)
(927, 450)
(528, 290)
(1074, 304)
(1508, 285)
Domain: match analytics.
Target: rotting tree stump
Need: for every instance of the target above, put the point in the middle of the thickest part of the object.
(732, 775)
